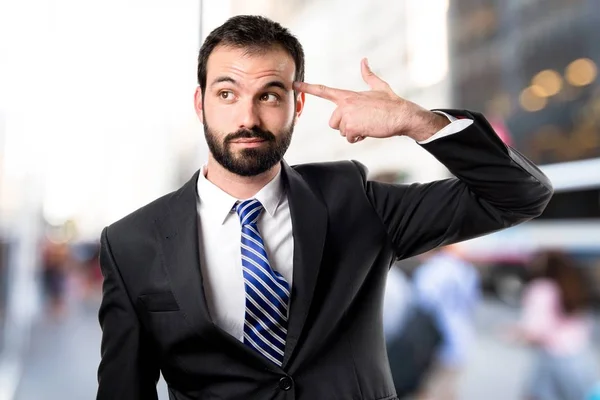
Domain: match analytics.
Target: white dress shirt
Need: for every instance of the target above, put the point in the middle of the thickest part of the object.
(220, 238)
(220, 252)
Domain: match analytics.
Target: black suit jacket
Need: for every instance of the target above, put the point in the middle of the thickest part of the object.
(347, 231)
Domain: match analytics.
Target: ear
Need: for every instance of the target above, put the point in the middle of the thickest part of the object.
(198, 104)
(300, 99)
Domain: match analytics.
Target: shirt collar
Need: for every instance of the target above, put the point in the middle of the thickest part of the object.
(222, 203)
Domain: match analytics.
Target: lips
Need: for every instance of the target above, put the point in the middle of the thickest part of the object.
(252, 140)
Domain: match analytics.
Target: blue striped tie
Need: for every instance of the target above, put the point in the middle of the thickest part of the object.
(267, 292)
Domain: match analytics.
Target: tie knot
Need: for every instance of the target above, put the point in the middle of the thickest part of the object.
(249, 211)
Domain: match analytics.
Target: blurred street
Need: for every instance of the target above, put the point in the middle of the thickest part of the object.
(63, 357)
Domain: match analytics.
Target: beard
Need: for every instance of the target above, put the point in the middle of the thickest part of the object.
(250, 161)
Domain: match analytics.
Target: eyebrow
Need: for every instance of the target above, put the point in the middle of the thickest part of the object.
(275, 83)
(221, 79)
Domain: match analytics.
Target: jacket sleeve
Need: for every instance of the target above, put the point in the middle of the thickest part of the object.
(495, 187)
(128, 369)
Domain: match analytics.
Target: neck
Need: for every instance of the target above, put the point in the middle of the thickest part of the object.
(240, 187)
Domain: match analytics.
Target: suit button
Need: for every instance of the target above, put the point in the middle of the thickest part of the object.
(285, 383)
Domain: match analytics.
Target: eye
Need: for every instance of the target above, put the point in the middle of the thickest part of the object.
(226, 95)
(269, 97)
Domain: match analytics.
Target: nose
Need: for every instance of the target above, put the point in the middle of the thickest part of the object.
(248, 116)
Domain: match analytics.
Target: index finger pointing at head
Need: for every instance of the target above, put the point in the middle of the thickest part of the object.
(322, 91)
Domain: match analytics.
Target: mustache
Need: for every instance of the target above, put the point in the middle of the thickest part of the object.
(254, 133)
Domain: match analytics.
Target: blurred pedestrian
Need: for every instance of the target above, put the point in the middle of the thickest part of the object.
(412, 335)
(396, 302)
(448, 286)
(54, 262)
(556, 322)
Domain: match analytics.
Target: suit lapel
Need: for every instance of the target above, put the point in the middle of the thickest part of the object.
(309, 224)
(179, 240)
(178, 236)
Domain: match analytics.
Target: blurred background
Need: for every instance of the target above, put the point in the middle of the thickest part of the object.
(97, 119)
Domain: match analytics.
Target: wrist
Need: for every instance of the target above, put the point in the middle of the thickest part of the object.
(426, 124)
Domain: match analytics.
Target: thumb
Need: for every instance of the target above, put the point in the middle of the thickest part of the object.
(374, 82)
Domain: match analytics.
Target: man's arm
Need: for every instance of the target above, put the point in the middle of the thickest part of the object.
(128, 369)
(495, 188)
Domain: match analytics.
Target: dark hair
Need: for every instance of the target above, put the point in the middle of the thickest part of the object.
(255, 34)
(564, 271)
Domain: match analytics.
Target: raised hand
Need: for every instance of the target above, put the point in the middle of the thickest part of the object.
(377, 113)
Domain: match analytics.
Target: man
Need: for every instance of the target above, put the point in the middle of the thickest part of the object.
(258, 280)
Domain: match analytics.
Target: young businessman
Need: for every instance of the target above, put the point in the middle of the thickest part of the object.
(260, 280)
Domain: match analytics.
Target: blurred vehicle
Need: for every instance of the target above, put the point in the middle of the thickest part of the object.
(571, 223)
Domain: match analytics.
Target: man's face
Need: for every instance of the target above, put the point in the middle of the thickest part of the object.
(248, 109)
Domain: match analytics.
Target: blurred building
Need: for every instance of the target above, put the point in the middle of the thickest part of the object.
(95, 100)
(531, 66)
(405, 42)
(113, 102)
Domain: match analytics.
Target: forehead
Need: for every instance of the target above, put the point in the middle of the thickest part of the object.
(249, 64)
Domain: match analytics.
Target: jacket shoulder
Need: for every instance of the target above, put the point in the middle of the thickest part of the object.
(337, 169)
(335, 181)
